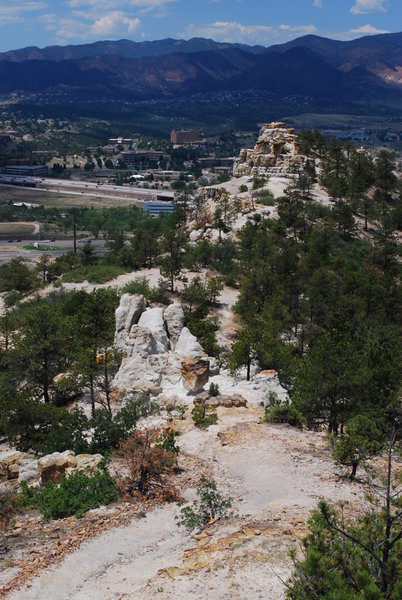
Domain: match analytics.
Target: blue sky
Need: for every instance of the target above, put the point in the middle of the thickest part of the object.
(47, 22)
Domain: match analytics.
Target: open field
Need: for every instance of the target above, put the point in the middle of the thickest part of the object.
(17, 229)
(60, 200)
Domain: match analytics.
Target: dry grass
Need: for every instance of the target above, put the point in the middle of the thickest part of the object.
(59, 200)
(16, 229)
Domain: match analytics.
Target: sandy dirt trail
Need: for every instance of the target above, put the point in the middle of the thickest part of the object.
(275, 475)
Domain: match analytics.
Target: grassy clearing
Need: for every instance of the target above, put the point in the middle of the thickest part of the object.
(16, 229)
(59, 200)
(43, 248)
(93, 274)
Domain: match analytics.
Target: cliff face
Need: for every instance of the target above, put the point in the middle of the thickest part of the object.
(275, 152)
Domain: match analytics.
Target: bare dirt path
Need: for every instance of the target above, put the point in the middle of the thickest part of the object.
(275, 475)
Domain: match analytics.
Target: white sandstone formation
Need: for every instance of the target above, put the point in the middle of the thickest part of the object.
(127, 314)
(174, 319)
(188, 345)
(276, 152)
(163, 358)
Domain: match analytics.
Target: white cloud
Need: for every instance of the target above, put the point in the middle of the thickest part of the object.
(318, 4)
(83, 26)
(14, 12)
(369, 30)
(142, 5)
(113, 21)
(233, 31)
(362, 7)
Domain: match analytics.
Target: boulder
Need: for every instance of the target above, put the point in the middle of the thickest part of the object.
(234, 400)
(195, 373)
(10, 464)
(188, 345)
(152, 320)
(53, 466)
(28, 470)
(84, 462)
(195, 235)
(127, 314)
(174, 319)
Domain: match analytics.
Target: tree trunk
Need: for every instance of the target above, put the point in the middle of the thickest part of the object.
(92, 393)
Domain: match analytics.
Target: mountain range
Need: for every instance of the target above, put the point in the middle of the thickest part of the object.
(362, 73)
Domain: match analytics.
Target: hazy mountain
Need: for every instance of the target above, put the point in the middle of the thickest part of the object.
(379, 54)
(123, 48)
(364, 72)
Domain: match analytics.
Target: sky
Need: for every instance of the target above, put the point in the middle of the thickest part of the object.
(266, 22)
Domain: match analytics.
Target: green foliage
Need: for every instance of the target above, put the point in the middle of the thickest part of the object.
(96, 273)
(209, 505)
(73, 496)
(31, 425)
(345, 559)
(205, 330)
(361, 441)
(17, 276)
(259, 181)
(243, 188)
(264, 197)
(204, 416)
(213, 389)
(283, 412)
(168, 442)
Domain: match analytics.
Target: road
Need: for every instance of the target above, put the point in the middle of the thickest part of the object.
(90, 189)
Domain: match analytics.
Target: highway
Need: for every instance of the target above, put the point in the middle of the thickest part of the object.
(90, 189)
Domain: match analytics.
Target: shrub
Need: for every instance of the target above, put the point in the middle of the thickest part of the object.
(73, 496)
(209, 505)
(243, 188)
(147, 465)
(265, 197)
(168, 442)
(213, 389)
(283, 412)
(7, 509)
(204, 416)
(139, 286)
(98, 273)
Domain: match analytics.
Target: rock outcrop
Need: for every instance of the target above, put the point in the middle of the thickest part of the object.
(128, 313)
(227, 401)
(154, 349)
(195, 373)
(174, 319)
(276, 152)
(188, 345)
(53, 466)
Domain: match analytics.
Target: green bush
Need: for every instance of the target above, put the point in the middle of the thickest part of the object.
(139, 286)
(203, 416)
(283, 412)
(265, 197)
(209, 505)
(213, 390)
(98, 273)
(73, 496)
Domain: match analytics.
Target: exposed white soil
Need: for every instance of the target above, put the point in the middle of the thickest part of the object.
(275, 475)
